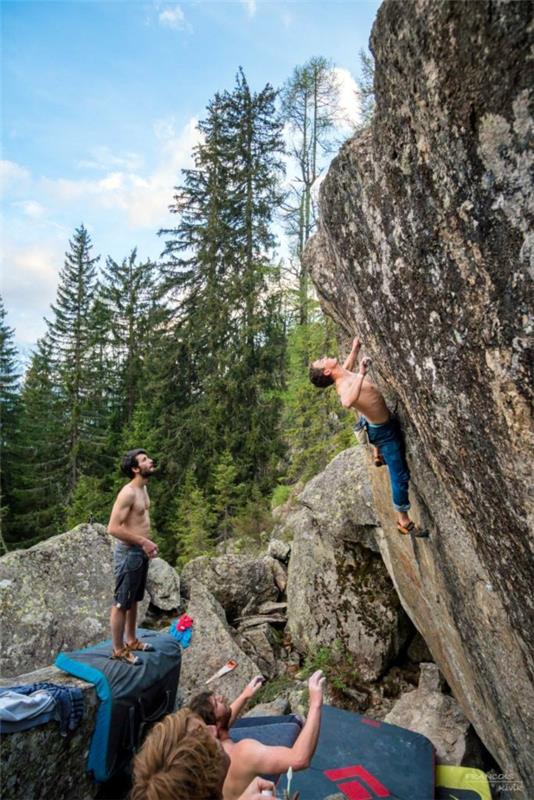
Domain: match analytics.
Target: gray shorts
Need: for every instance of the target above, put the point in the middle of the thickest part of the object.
(130, 569)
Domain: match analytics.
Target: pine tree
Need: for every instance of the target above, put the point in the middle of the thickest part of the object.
(366, 86)
(88, 503)
(227, 494)
(129, 296)
(40, 472)
(192, 522)
(310, 105)
(226, 347)
(316, 428)
(72, 337)
(9, 414)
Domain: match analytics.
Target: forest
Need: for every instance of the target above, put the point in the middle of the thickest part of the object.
(201, 358)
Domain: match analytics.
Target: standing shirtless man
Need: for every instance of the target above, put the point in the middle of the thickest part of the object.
(356, 391)
(130, 524)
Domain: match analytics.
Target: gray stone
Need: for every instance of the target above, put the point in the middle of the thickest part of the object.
(339, 592)
(279, 574)
(437, 716)
(163, 585)
(279, 550)
(234, 580)
(269, 607)
(418, 650)
(56, 596)
(261, 645)
(425, 250)
(275, 708)
(213, 643)
(40, 762)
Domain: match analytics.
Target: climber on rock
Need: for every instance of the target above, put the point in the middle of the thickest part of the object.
(356, 391)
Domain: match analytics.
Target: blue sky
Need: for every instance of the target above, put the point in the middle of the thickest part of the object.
(100, 103)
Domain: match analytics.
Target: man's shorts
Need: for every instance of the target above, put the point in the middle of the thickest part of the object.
(130, 570)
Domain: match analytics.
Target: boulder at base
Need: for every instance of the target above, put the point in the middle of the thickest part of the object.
(236, 581)
(56, 596)
(339, 590)
(213, 644)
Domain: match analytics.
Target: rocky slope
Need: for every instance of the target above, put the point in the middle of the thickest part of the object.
(425, 248)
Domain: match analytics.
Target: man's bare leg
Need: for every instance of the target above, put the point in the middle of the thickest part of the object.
(130, 629)
(118, 623)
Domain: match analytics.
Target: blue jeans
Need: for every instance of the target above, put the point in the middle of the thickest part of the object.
(388, 438)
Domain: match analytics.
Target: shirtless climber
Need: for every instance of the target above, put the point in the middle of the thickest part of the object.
(130, 524)
(356, 391)
(249, 757)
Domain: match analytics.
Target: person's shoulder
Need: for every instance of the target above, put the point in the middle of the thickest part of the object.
(127, 493)
(245, 746)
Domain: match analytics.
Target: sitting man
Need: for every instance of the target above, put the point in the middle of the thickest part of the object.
(356, 391)
(181, 759)
(249, 757)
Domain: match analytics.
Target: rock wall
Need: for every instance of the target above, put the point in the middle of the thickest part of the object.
(40, 762)
(425, 248)
(338, 590)
(57, 596)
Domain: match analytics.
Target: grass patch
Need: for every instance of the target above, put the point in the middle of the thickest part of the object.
(272, 690)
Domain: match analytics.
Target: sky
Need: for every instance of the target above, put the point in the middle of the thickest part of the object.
(100, 102)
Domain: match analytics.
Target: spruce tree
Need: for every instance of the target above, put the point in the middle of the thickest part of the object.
(9, 414)
(40, 472)
(228, 332)
(128, 293)
(71, 334)
(310, 105)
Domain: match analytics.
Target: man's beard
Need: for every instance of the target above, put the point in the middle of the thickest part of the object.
(147, 472)
(224, 720)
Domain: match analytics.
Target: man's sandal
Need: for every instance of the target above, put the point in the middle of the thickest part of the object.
(126, 656)
(144, 647)
(413, 530)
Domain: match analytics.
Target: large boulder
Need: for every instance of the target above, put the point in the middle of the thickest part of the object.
(57, 596)
(338, 589)
(39, 762)
(425, 249)
(213, 643)
(236, 581)
(438, 716)
(163, 585)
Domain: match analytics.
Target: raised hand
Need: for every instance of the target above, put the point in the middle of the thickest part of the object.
(252, 687)
(316, 688)
(365, 363)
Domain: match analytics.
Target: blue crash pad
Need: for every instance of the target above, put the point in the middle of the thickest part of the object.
(364, 759)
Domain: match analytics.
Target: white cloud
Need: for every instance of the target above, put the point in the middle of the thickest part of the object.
(102, 158)
(349, 98)
(251, 7)
(12, 175)
(173, 17)
(31, 208)
(143, 197)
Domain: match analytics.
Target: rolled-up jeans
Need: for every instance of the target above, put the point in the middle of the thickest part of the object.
(388, 438)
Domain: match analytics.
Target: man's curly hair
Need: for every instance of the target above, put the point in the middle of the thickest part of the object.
(179, 760)
(319, 379)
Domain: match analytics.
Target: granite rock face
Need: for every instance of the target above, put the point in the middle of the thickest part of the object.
(236, 581)
(438, 716)
(338, 588)
(163, 585)
(57, 595)
(40, 762)
(213, 644)
(425, 249)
